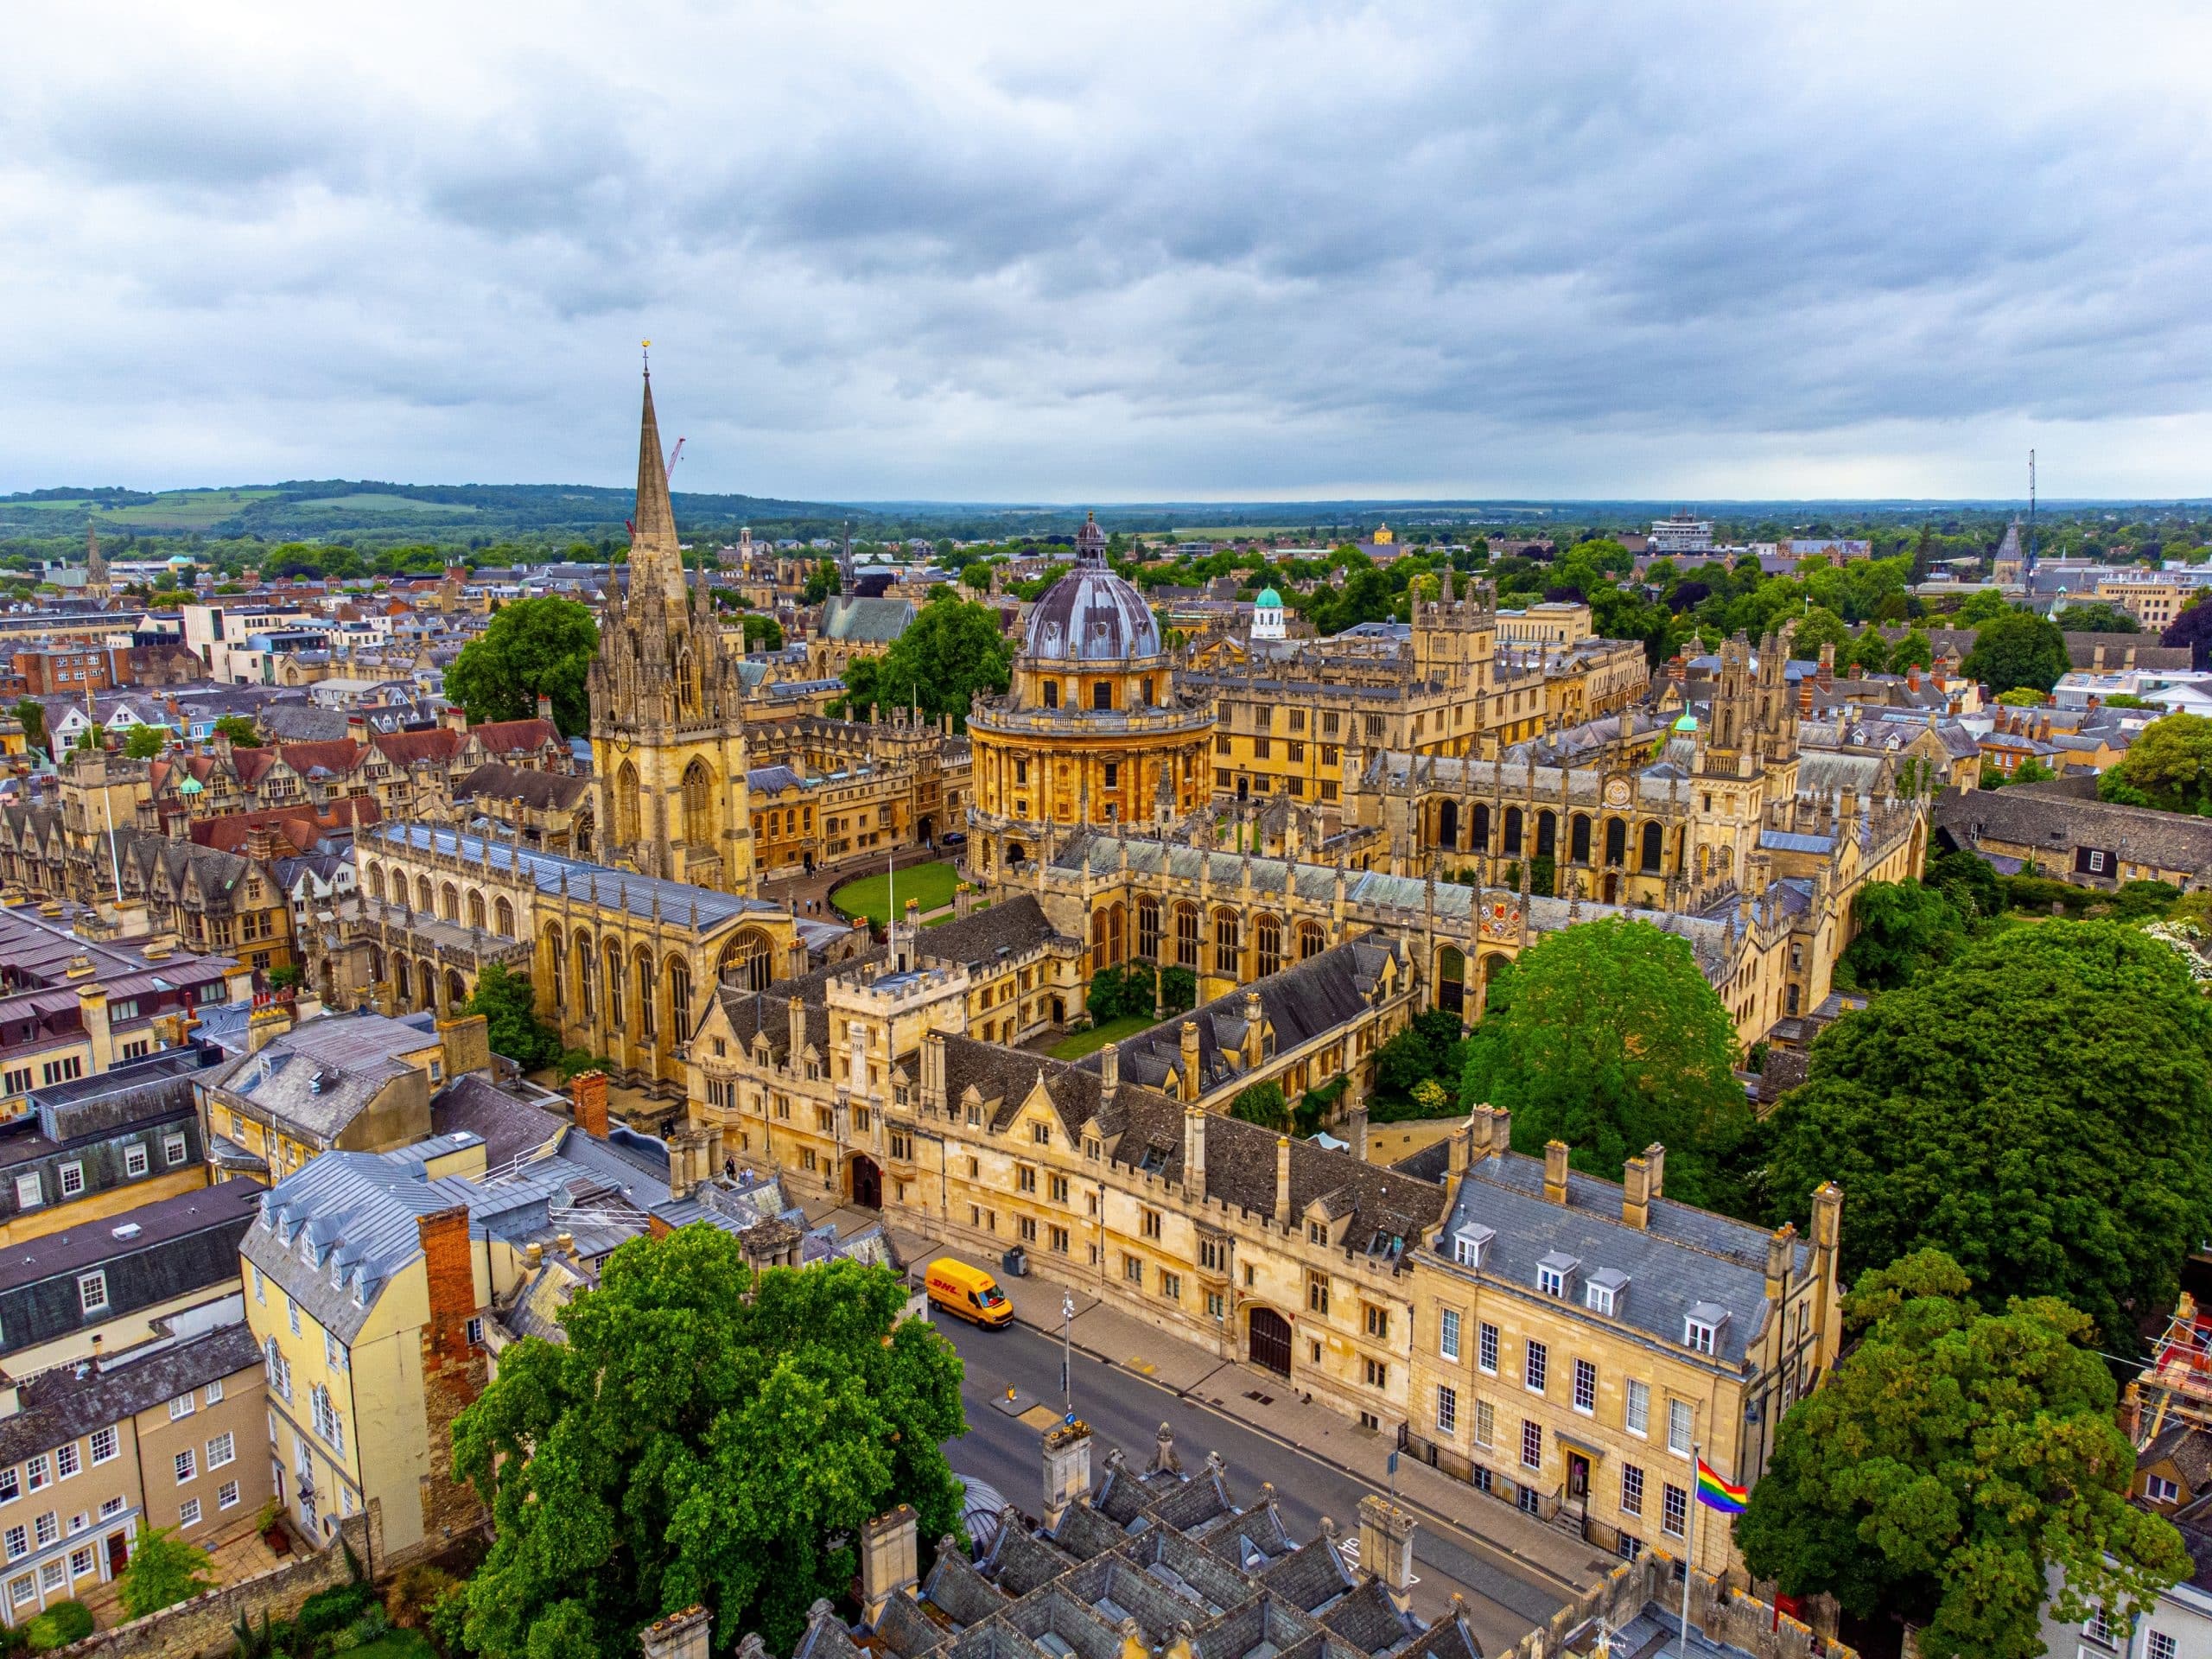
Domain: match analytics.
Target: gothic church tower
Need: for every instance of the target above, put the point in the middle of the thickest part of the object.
(667, 722)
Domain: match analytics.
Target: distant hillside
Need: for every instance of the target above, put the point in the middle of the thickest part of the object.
(335, 507)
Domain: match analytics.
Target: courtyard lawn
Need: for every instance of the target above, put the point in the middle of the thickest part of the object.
(871, 895)
(397, 1644)
(1078, 1045)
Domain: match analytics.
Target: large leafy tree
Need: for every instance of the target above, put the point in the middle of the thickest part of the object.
(164, 1569)
(1951, 1459)
(2169, 764)
(504, 997)
(1904, 929)
(1607, 1037)
(2018, 649)
(950, 651)
(702, 1436)
(532, 646)
(2040, 1109)
(2193, 628)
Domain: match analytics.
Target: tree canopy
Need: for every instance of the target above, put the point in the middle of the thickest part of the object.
(2169, 766)
(240, 730)
(1904, 929)
(2016, 649)
(1951, 1458)
(703, 1436)
(146, 741)
(951, 650)
(2039, 1109)
(163, 1570)
(532, 646)
(1607, 1037)
(504, 997)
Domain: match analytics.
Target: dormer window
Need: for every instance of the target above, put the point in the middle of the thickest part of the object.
(1701, 1328)
(1554, 1272)
(1603, 1293)
(1469, 1243)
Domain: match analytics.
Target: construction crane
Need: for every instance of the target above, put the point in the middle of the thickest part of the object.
(674, 455)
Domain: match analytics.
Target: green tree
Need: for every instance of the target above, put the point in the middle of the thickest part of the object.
(532, 646)
(761, 632)
(2097, 619)
(1966, 881)
(2170, 764)
(1818, 626)
(512, 1025)
(92, 737)
(146, 741)
(822, 581)
(1902, 929)
(978, 576)
(1607, 1037)
(2021, 696)
(1262, 1104)
(1429, 1047)
(240, 730)
(163, 1570)
(1984, 604)
(953, 650)
(2018, 649)
(32, 712)
(704, 1436)
(1912, 651)
(1951, 1459)
(2039, 1109)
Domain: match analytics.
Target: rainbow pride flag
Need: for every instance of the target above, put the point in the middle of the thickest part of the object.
(1717, 1494)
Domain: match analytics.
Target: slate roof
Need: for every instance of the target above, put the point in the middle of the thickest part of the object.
(320, 1075)
(2030, 816)
(510, 1124)
(1156, 1557)
(642, 895)
(71, 1401)
(1142, 1128)
(159, 1225)
(1685, 1256)
(980, 938)
(544, 790)
(1321, 994)
(849, 618)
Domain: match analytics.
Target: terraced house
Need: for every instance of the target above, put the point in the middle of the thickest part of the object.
(860, 1078)
(1579, 1343)
(167, 1435)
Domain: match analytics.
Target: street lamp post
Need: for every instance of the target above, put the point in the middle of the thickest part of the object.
(1067, 1322)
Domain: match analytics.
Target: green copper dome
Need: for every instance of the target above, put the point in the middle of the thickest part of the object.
(1269, 599)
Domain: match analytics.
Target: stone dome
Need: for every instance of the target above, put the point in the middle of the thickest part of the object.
(1092, 615)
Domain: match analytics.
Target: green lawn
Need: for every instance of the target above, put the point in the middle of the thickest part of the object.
(377, 503)
(1084, 1042)
(871, 895)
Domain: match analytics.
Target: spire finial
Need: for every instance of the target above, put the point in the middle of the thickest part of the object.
(645, 351)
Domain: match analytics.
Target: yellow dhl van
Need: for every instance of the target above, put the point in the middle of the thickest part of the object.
(967, 1292)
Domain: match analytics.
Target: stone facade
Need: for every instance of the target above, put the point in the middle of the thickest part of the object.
(1093, 727)
(668, 734)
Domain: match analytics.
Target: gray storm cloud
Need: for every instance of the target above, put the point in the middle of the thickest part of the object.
(988, 251)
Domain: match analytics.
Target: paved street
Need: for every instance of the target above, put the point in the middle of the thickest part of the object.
(1506, 1596)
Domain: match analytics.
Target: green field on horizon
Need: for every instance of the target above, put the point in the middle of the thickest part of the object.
(369, 501)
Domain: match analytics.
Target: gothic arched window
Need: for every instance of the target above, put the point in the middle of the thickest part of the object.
(698, 805)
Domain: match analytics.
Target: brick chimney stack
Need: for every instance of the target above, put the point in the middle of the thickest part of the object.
(588, 1093)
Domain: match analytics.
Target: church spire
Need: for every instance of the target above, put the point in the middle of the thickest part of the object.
(655, 554)
(96, 581)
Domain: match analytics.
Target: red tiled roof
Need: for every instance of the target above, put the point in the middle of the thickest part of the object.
(333, 754)
(249, 764)
(405, 748)
(507, 736)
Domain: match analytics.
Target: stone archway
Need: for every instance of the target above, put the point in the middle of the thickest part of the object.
(1269, 1339)
(864, 1181)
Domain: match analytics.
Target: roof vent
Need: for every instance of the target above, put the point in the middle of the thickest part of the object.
(128, 1229)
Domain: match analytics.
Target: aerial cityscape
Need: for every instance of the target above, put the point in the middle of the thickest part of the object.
(1163, 947)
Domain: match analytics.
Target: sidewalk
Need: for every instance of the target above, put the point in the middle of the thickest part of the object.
(1264, 1402)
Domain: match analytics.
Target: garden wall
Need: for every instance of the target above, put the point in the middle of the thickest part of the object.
(203, 1625)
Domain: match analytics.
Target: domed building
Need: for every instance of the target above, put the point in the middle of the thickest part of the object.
(1091, 729)
(1267, 621)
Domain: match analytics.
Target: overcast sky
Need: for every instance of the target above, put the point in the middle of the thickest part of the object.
(1108, 252)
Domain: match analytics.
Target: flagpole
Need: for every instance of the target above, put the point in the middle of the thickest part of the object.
(1697, 1453)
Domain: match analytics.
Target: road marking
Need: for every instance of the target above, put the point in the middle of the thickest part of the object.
(1144, 1367)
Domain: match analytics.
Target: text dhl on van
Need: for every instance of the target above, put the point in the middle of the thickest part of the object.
(967, 1293)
